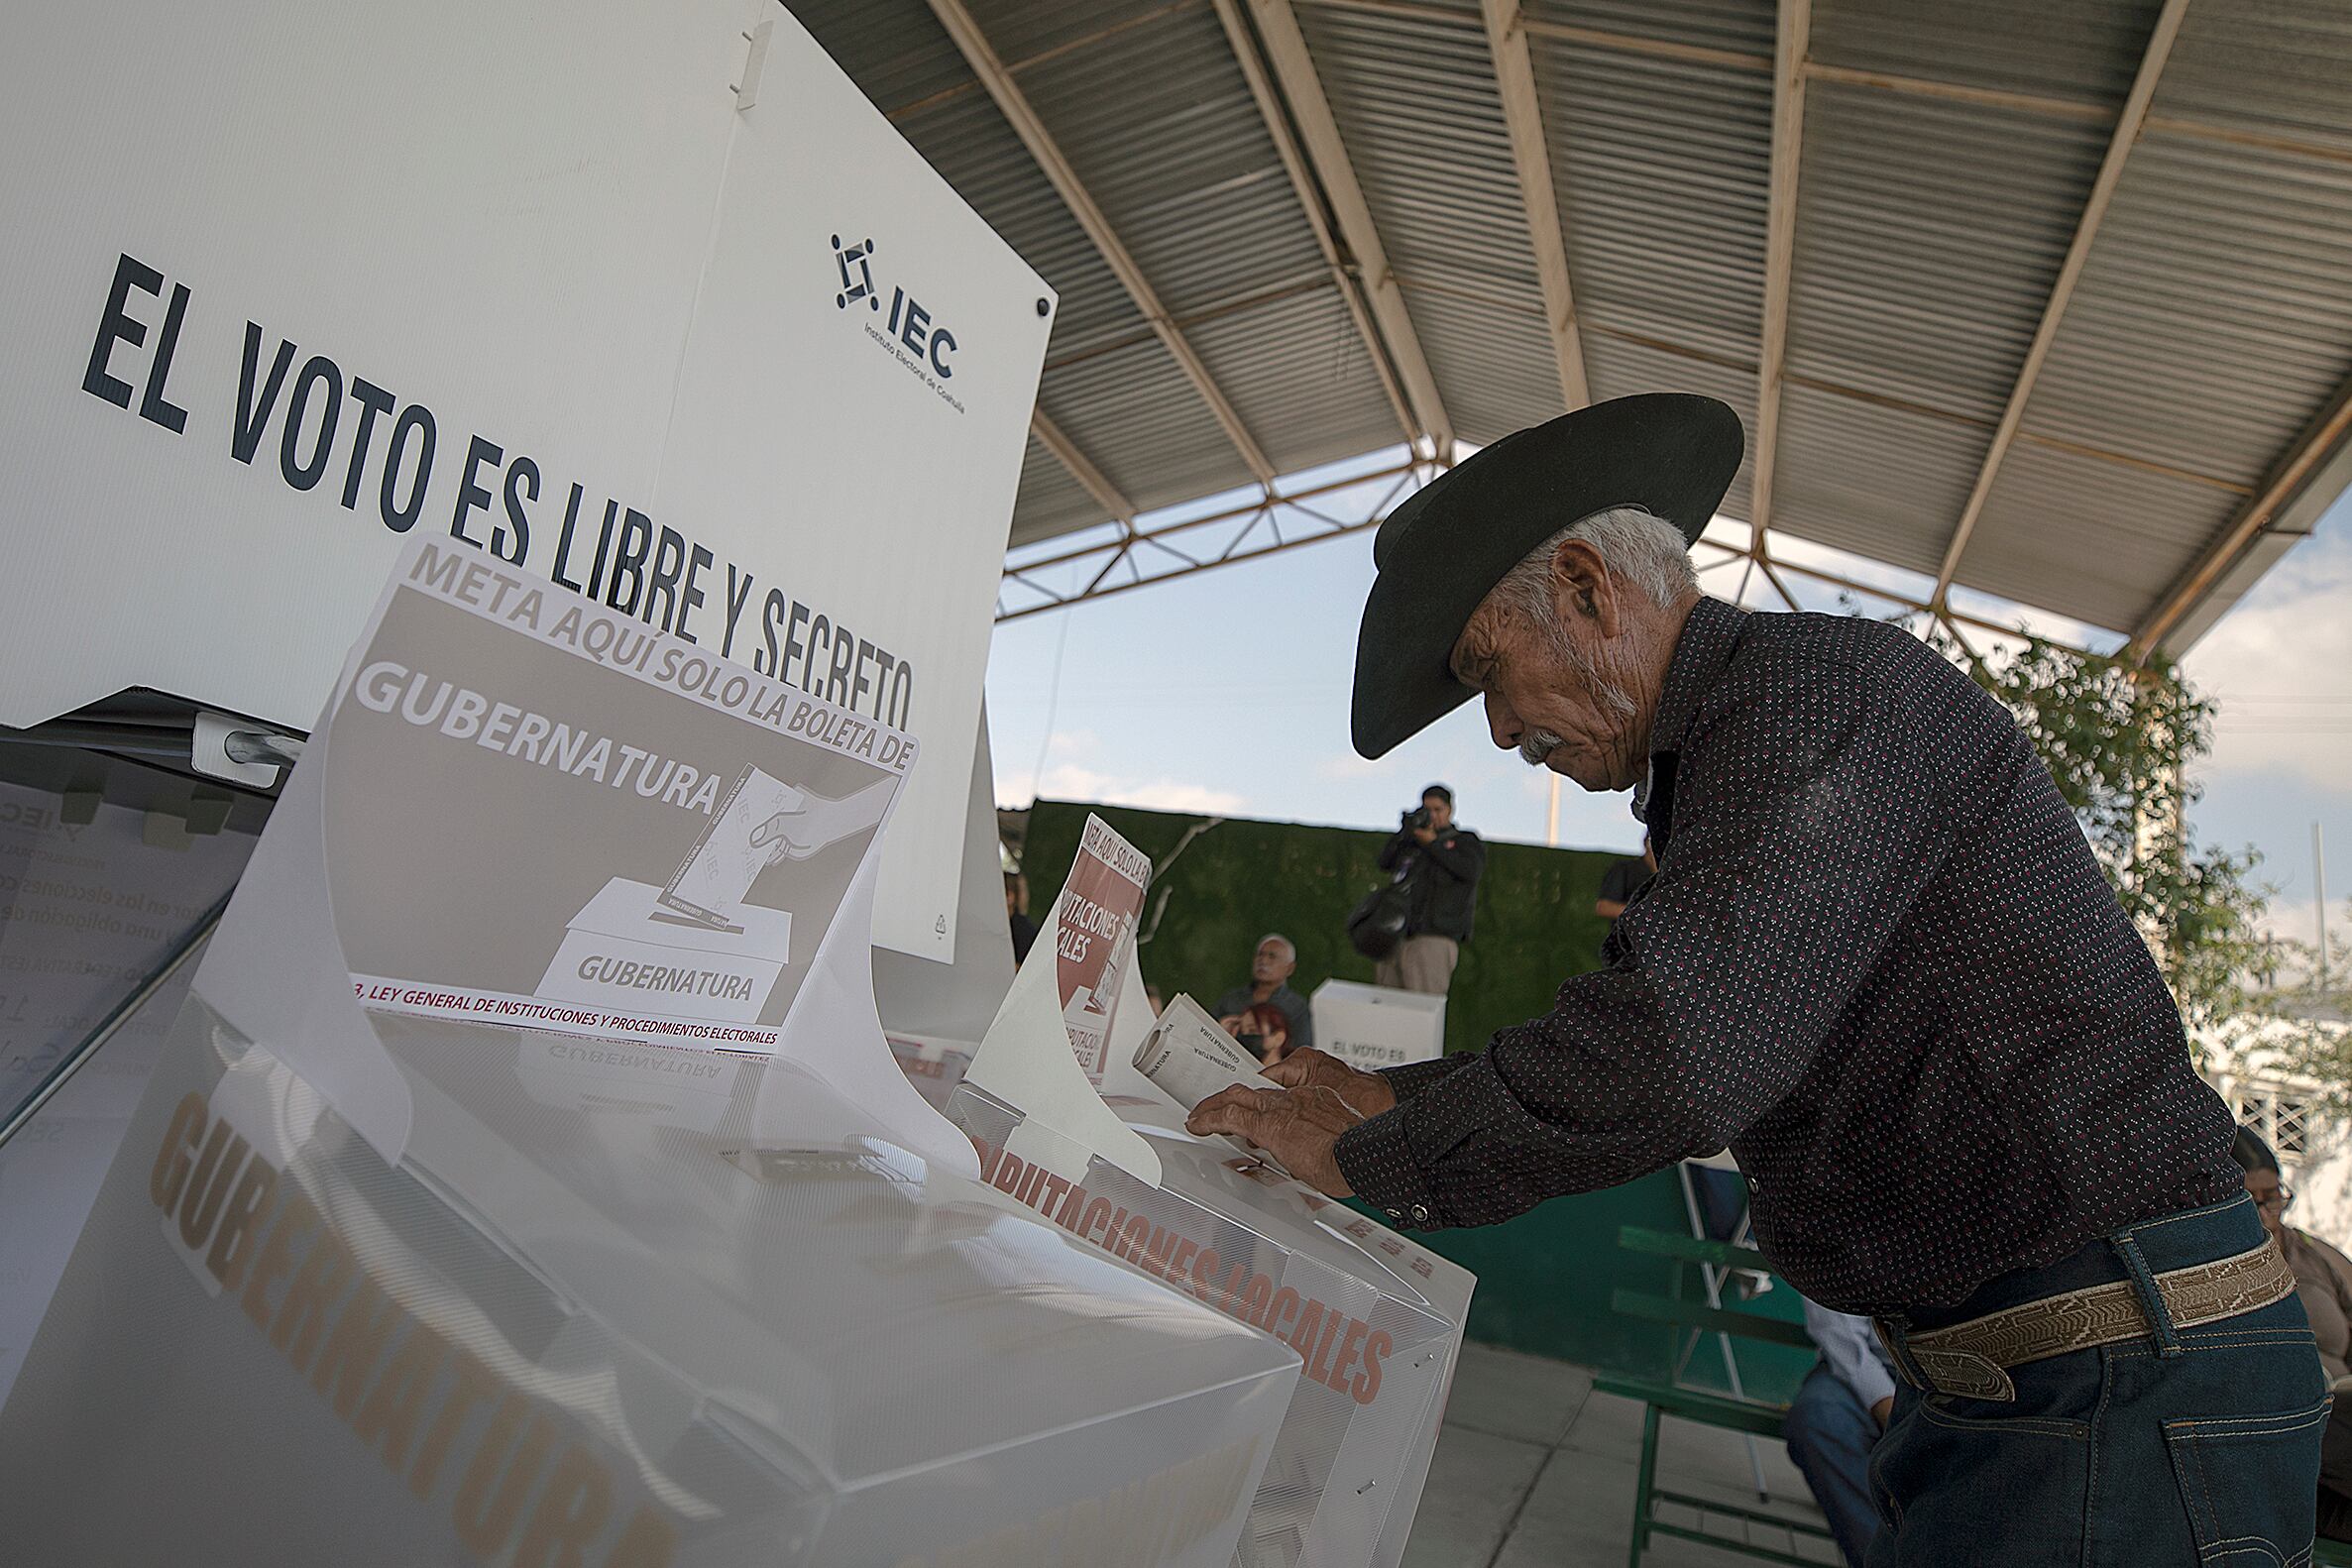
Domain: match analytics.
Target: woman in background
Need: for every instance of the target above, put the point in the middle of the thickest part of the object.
(2324, 1279)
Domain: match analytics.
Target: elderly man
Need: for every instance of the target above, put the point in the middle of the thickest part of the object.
(1271, 968)
(1878, 962)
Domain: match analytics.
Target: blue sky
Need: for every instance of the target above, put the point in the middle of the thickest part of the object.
(1227, 691)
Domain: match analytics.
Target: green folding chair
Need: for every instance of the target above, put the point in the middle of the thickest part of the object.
(1756, 1417)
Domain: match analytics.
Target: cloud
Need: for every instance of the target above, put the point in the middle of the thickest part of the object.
(2278, 668)
(1068, 781)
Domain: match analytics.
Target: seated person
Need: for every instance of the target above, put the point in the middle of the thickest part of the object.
(2324, 1279)
(1263, 1030)
(1834, 1421)
(1271, 968)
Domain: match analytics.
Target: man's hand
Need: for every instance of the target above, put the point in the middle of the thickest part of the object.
(1425, 833)
(1366, 1093)
(1295, 1126)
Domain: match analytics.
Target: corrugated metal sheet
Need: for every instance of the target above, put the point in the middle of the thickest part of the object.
(1050, 502)
(1301, 378)
(2213, 321)
(2220, 269)
(1928, 237)
(1885, 482)
(894, 50)
(1418, 108)
(2083, 49)
(1135, 415)
(1743, 27)
(2107, 537)
(1160, 129)
(1663, 209)
(1619, 368)
(2271, 68)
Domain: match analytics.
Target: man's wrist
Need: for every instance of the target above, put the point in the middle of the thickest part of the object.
(1375, 1159)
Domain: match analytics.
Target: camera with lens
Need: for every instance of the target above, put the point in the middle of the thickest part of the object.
(1418, 818)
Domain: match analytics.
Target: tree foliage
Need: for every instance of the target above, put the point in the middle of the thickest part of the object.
(2122, 742)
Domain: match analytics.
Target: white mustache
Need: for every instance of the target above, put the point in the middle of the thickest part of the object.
(1539, 745)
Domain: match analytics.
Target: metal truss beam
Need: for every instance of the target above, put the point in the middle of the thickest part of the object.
(1295, 69)
(1530, 155)
(1023, 117)
(1310, 203)
(2047, 105)
(1106, 495)
(2086, 232)
(1794, 36)
(2320, 438)
(1954, 620)
(1138, 558)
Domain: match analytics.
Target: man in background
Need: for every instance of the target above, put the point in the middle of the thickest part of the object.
(1016, 910)
(1440, 864)
(1624, 878)
(1271, 968)
(1834, 1421)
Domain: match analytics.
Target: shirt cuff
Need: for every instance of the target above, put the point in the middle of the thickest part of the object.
(1412, 1077)
(1377, 1160)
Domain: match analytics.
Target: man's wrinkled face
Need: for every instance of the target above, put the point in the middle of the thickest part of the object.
(1554, 694)
(1273, 961)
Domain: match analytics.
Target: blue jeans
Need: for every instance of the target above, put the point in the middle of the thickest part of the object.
(2191, 1446)
(1829, 1436)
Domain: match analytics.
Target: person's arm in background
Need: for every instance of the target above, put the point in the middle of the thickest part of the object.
(1460, 854)
(1851, 1347)
(1393, 853)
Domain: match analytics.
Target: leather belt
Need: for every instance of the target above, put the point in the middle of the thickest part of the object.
(1972, 1359)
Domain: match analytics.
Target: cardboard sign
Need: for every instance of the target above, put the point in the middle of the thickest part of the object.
(1092, 925)
(527, 810)
(1046, 1051)
(289, 285)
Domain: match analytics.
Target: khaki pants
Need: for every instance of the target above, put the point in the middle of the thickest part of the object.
(1420, 963)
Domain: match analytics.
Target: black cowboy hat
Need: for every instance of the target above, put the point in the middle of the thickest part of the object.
(1443, 550)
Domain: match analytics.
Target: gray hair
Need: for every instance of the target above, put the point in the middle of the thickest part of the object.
(1642, 550)
(1288, 946)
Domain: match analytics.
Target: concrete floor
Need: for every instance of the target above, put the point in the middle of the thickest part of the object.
(1535, 1470)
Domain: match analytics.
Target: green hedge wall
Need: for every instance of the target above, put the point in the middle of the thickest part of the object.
(1544, 1278)
(1241, 879)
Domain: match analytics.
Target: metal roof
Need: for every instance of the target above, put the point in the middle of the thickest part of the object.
(2049, 300)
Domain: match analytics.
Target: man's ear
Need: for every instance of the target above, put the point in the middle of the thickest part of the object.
(1583, 587)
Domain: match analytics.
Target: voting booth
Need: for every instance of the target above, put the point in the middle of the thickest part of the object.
(581, 552)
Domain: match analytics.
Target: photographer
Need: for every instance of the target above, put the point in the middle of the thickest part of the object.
(1440, 865)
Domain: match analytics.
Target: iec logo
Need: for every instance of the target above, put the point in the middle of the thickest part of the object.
(860, 286)
(919, 342)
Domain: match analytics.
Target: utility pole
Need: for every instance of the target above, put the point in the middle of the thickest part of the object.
(2319, 898)
(1551, 832)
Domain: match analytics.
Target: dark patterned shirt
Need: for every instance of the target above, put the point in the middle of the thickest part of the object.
(1878, 960)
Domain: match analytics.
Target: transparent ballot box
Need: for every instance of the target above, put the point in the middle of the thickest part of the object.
(1372, 1321)
(590, 1316)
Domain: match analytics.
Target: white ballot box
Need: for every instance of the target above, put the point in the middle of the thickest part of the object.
(1372, 1027)
(1372, 1321)
(585, 1320)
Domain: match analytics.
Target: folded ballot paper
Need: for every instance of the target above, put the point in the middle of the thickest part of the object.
(408, 1258)
(1372, 1321)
